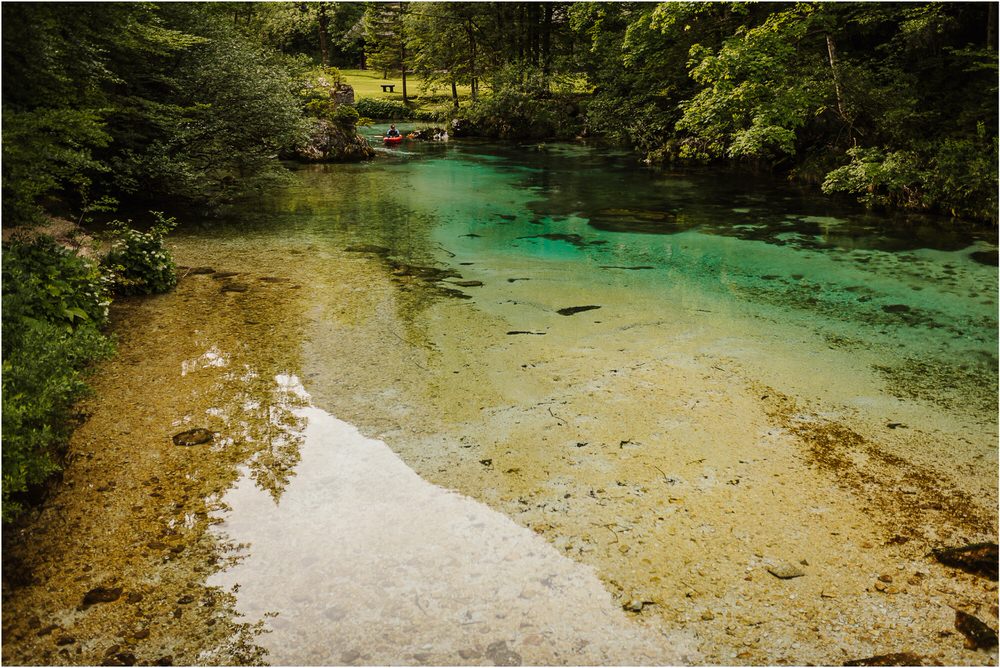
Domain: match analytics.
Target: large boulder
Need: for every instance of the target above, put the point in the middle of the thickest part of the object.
(334, 142)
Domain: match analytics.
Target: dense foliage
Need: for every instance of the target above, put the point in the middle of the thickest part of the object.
(140, 102)
(893, 103)
(896, 104)
(191, 103)
(54, 303)
(138, 263)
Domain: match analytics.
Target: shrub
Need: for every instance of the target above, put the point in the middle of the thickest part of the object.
(521, 105)
(138, 263)
(54, 303)
(42, 281)
(384, 109)
(346, 115)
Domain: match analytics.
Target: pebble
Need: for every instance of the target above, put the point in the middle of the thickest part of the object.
(785, 571)
(65, 640)
(46, 630)
(501, 655)
(634, 605)
(101, 595)
(195, 436)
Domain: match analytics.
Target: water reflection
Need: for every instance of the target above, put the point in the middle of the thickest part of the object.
(258, 417)
(363, 562)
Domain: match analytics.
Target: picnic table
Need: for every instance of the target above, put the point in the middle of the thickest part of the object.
(388, 88)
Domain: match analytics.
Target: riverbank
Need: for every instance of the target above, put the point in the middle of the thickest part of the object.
(684, 504)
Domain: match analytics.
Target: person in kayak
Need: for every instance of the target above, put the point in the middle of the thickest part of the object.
(393, 132)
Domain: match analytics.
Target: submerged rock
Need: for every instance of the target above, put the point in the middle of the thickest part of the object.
(977, 634)
(235, 287)
(573, 239)
(368, 248)
(893, 659)
(426, 273)
(634, 605)
(571, 310)
(468, 284)
(989, 258)
(979, 558)
(195, 436)
(501, 655)
(101, 595)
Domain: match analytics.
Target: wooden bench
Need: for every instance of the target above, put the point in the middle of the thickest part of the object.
(388, 88)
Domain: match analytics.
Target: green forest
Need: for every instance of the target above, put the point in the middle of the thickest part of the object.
(181, 107)
(194, 103)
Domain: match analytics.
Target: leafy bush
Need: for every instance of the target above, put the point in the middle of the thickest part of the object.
(54, 303)
(957, 176)
(346, 115)
(138, 263)
(42, 281)
(384, 109)
(521, 106)
(316, 94)
(878, 178)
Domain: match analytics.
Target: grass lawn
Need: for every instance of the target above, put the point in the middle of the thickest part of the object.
(368, 83)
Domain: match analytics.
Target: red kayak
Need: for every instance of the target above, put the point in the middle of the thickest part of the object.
(389, 141)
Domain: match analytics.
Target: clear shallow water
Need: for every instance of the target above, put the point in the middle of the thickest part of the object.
(363, 562)
(916, 298)
(895, 320)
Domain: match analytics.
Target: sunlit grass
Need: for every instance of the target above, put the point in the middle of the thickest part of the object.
(368, 83)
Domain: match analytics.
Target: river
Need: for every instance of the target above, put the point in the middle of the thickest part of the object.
(482, 403)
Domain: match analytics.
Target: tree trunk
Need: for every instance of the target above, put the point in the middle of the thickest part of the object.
(473, 80)
(454, 93)
(547, 43)
(402, 58)
(533, 33)
(991, 27)
(324, 36)
(831, 51)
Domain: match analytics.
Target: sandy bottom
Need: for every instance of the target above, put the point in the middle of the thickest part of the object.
(671, 461)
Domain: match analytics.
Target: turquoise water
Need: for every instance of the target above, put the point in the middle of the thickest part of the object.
(915, 295)
(601, 353)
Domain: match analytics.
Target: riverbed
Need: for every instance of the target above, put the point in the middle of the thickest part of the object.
(485, 404)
